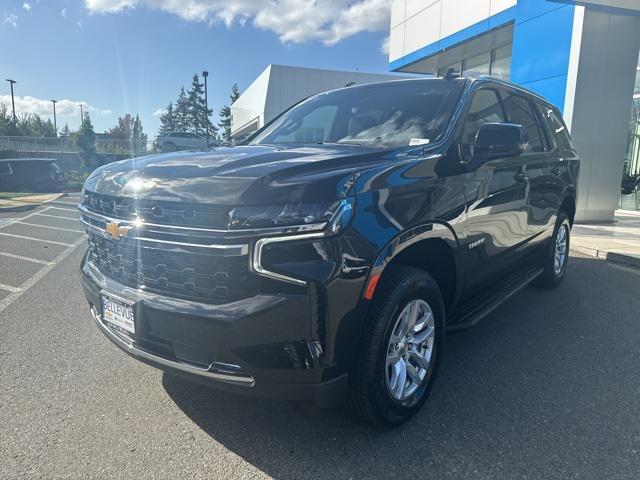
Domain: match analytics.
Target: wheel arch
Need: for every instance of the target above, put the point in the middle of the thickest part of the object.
(568, 204)
(433, 247)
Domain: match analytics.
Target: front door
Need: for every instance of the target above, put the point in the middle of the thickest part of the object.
(496, 196)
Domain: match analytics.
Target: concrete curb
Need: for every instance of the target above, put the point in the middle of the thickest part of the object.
(613, 257)
(29, 205)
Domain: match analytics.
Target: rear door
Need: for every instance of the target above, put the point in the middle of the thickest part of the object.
(496, 193)
(521, 110)
(562, 161)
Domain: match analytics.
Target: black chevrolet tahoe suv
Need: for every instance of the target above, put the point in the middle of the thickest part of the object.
(326, 258)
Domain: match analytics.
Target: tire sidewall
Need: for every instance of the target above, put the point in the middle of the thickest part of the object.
(395, 410)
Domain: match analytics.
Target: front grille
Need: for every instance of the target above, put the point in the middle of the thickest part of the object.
(182, 214)
(185, 273)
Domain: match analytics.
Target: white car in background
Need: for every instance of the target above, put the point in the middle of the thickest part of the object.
(172, 141)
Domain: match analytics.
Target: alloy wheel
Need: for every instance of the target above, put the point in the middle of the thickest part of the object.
(561, 250)
(410, 349)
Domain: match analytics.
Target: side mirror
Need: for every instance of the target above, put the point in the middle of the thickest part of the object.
(499, 140)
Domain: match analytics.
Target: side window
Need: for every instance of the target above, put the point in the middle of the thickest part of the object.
(485, 108)
(5, 168)
(520, 111)
(558, 128)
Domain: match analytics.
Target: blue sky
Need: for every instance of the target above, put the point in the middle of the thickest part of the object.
(120, 56)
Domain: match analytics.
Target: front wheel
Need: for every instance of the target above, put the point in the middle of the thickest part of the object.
(400, 347)
(556, 255)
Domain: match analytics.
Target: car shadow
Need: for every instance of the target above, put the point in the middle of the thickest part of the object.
(533, 390)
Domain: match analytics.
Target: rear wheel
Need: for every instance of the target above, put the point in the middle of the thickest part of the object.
(556, 255)
(400, 348)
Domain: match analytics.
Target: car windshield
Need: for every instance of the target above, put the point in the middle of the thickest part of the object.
(393, 114)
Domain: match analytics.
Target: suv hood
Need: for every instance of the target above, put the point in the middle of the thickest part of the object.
(247, 175)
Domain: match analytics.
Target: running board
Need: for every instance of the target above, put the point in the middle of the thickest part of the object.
(472, 311)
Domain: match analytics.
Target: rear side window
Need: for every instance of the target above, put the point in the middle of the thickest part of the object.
(520, 111)
(485, 108)
(5, 168)
(557, 128)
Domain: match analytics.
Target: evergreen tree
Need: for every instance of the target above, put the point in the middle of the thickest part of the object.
(182, 112)
(168, 120)
(86, 139)
(199, 115)
(225, 115)
(65, 132)
(138, 136)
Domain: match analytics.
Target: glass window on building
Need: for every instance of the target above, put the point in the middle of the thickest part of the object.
(478, 65)
(501, 62)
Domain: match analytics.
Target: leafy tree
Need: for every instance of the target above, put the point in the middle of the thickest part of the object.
(6, 121)
(128, 130)
(168, 120)
(225, 115)
(28, 124)
(86, 140)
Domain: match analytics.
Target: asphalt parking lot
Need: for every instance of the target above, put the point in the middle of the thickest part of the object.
(546, 387)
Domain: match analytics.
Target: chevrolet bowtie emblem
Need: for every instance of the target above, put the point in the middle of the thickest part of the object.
(116, 231)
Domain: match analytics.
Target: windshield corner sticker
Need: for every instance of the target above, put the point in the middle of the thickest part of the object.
(418, 141)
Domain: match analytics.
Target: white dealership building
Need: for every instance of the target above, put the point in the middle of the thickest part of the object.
(582, 55)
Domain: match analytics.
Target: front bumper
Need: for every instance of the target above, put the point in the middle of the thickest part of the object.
(257, 346)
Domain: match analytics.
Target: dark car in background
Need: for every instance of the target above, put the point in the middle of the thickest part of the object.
(40, 175)
(327, 257)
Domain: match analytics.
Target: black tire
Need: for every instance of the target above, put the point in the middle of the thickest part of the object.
(551, 277)
(370, 397)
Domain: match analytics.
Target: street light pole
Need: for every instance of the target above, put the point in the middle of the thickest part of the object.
(81, 114)
(205, 74)
(55, 123)
(13, 103)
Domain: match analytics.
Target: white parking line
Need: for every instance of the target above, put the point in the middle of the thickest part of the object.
(50, 227)
(55, 216)
(73, 204)
(23, 237)
(26, 259)
(14, 220)
(12, 297)
(65, 209)
(9, 288)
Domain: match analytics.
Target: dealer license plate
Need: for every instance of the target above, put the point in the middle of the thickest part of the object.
(118, 313)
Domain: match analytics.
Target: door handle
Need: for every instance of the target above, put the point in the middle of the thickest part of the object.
(521, 177)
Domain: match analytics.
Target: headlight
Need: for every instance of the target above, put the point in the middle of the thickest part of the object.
(290, 214)
(297, 257)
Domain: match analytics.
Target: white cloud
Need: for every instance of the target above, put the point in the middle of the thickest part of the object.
(10, 19)
(44, 107)
(294, 21)
(63, 13)
(159, 111)
(26, 7)
(384, 46)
